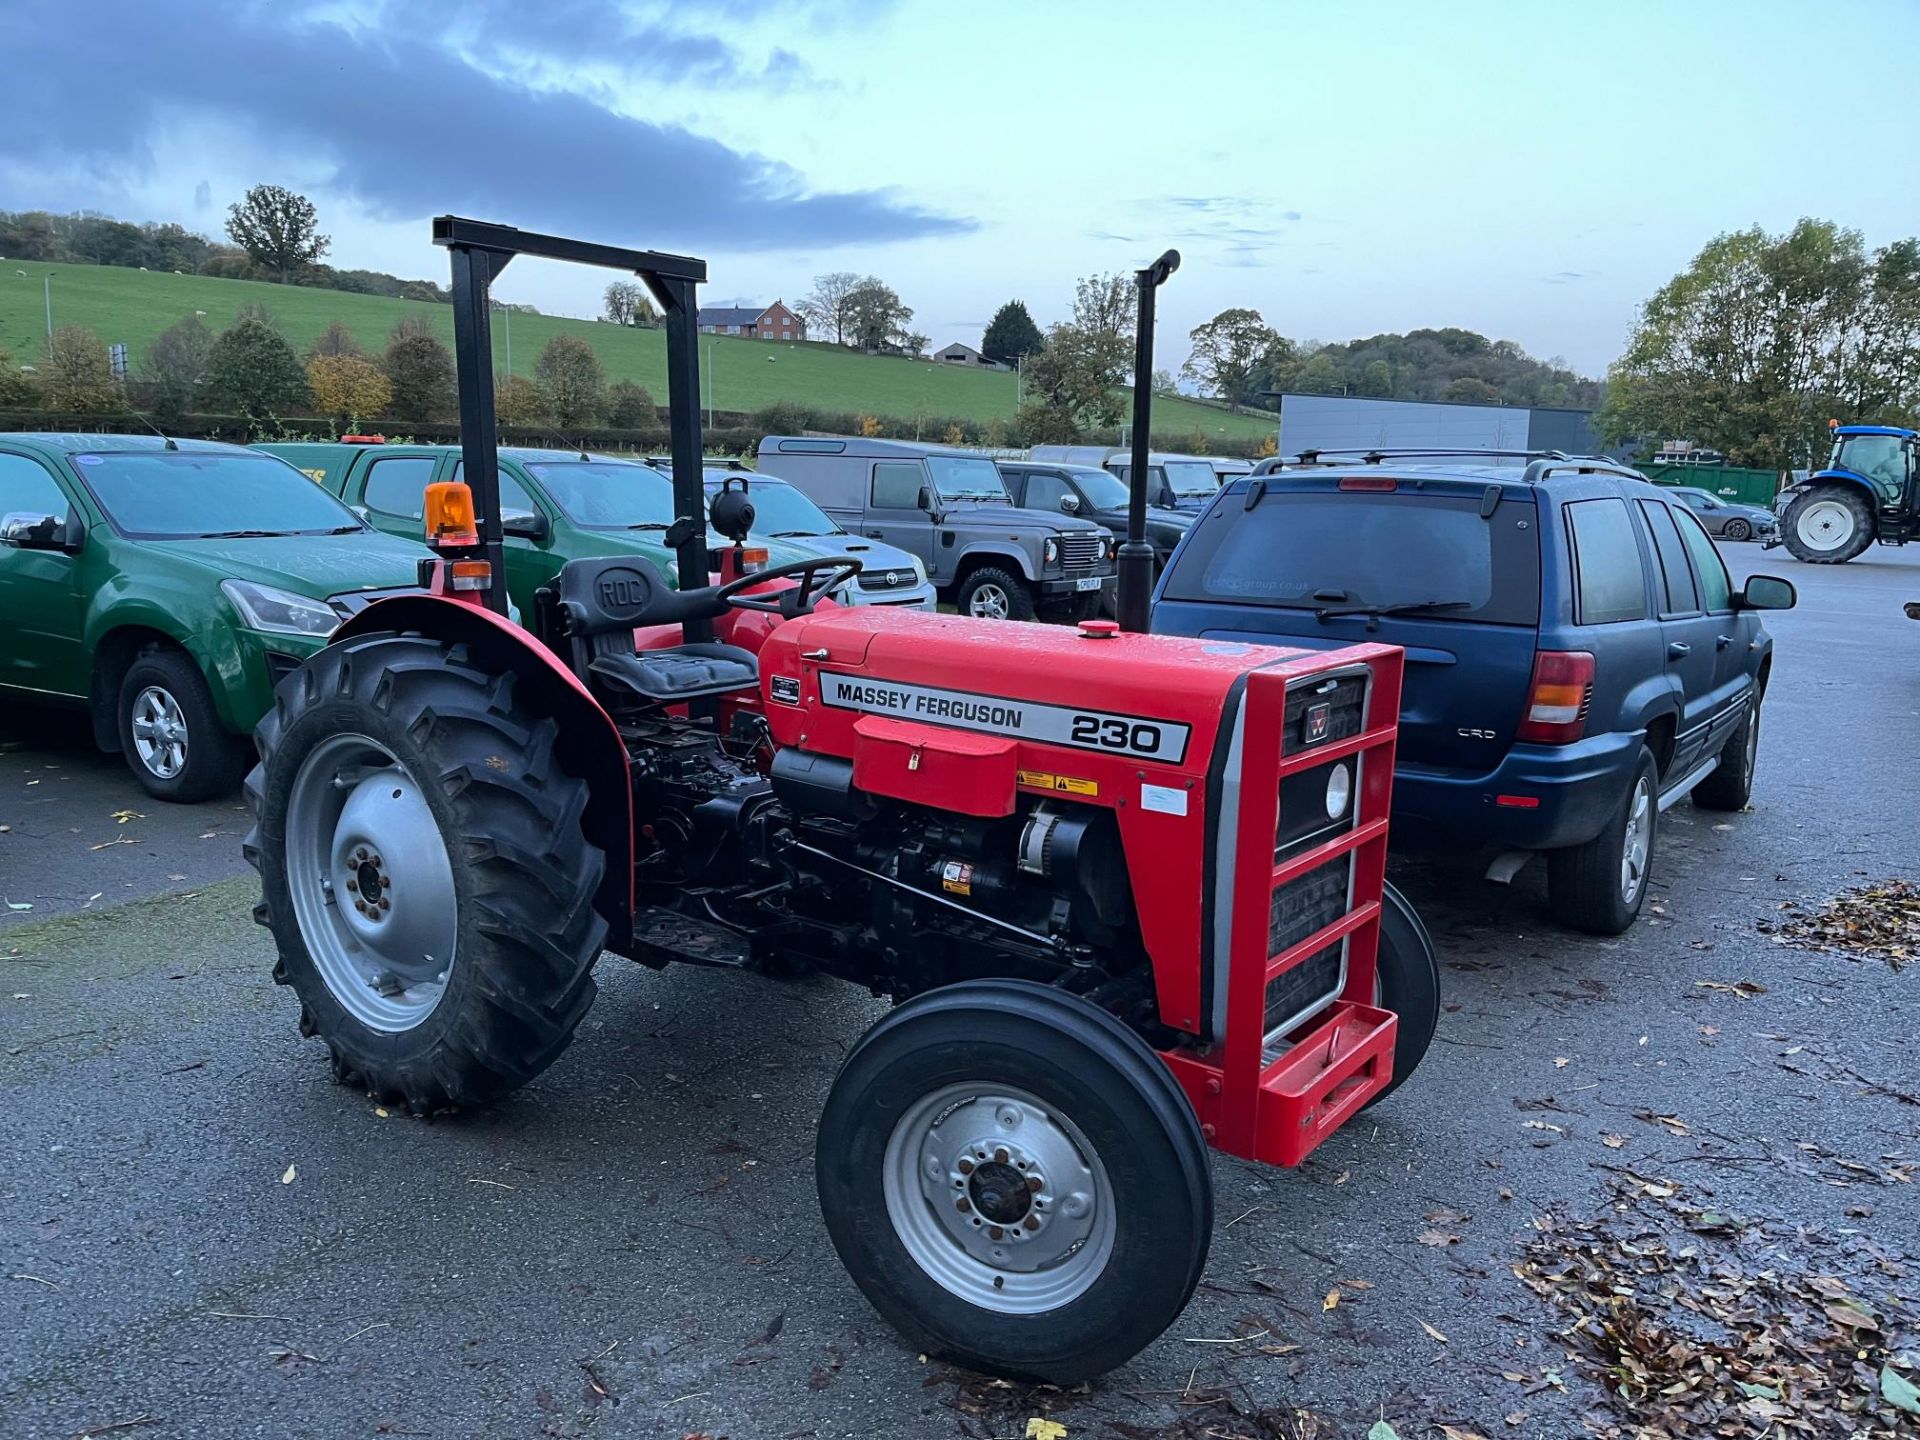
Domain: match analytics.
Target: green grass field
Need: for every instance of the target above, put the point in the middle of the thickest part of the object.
(134, 306)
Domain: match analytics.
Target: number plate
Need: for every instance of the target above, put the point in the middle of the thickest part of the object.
(1091, 582)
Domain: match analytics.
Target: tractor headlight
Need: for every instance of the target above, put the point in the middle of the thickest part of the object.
(280, 612)
(1051, 552)
(1339, 790)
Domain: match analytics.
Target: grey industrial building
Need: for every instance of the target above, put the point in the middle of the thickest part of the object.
(1347, 422)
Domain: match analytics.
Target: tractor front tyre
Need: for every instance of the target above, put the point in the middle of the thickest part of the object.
(1015, 1181)
(1828, 525)
(424, 872)
(1406, 980)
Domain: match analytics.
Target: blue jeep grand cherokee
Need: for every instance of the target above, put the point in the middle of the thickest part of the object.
(1577, 656)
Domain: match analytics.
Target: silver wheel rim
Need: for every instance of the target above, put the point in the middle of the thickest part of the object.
(371, 882)
(999, 1198)
(990, 602)
(1826, 525)
(1639, 840)
(1753, 742)
(159, 732)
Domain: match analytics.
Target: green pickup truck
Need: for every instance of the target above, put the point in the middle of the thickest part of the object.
(166, 585)
(555, 505)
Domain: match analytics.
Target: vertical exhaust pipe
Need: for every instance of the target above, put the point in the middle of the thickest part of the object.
(1133, 602)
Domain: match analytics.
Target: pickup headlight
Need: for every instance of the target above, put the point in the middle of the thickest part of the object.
(1051, 552)
(279, 612)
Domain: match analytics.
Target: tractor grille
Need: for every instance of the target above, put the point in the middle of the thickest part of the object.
(1079, 550)
(1299, 908)
(1345, 699)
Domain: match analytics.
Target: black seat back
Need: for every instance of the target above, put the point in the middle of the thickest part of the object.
(596, 603)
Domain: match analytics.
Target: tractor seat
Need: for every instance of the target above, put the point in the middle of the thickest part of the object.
(683, 672)
(600, 601)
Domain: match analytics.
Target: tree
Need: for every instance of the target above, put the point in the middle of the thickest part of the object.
(1764, 337)
(517, 401)
(336, 339)
(1376, 379)
(1469, 391)
(570, 377)
(1104, 307)
(348, 388)
(420, 369)
(1011, 334)
(630, 407)
(627, 303)
(78, 377)
(825, 306)
(875, 315)
(17, 390)
(278, 229)
(176, 367)
(1071, 378)
(914, 343)
(1225, 350)
(1163, 383)
(252, 370)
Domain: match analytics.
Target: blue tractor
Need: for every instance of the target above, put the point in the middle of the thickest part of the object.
(1869, 491)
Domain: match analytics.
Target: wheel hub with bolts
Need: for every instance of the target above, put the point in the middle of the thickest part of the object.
(160, 732)
(999, 1198)
(1826, 524)
(372, 883)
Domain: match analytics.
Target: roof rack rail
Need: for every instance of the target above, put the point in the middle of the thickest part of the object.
(1539, 470)
(1374, 454)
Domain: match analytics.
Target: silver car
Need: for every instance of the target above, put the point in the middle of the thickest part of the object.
(1725, 519)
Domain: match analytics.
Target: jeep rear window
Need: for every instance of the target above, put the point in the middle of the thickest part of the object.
(1308, 548)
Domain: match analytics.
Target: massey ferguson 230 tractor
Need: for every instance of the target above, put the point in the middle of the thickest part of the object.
(1127, 889)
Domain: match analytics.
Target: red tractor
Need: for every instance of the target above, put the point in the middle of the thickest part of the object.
(1127, 889)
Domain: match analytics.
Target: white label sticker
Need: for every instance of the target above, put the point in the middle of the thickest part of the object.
(1164, 798)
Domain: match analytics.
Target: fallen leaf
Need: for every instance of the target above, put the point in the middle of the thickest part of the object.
(1445, 1215)
(18, 905)
(1898, 1391)
(1560, 1062)
(381, 1111)
(1333, 1299)
(1542, 1125)
(287, 1179)
(121, 817)
(1454, 1432)
(1439, 1239)
(1613, 1142)
(1745, 989)
(1343, 1177)
(1042, 1429)
(1436, 1335)
(1381, 1430)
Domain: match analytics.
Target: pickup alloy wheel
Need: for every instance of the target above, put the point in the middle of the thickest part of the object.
(171, 734)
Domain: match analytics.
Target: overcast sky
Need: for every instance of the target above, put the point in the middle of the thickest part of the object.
(1530, 171)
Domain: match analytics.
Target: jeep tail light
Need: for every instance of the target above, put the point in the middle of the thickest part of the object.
(1557, 701)
(450, 524)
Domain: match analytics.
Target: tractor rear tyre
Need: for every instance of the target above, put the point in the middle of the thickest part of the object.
(1015, 1181)
(1406, 981)
(1828, 525)
(424, 873)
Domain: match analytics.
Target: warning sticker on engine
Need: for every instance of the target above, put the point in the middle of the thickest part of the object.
(1065, 784)
(999, 715)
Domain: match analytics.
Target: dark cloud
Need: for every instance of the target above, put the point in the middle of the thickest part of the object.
(408, 125)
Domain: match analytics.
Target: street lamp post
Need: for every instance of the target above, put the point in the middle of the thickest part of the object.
(1136, 555)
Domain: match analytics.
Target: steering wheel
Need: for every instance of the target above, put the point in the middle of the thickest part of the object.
(789, 604)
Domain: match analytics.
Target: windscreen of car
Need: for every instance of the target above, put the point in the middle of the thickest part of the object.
(1104, 490)
(1192, 478)
(961, 477)
(780, 512)
(196, 494)
(1309, 549)
(1880, 458)
(607, 495)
